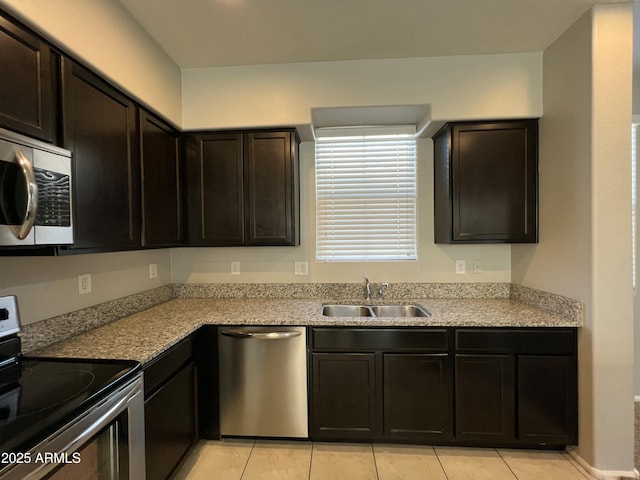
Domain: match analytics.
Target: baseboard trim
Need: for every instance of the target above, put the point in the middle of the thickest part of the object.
(602, 474)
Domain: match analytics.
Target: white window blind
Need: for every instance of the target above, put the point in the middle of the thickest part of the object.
(365, 194)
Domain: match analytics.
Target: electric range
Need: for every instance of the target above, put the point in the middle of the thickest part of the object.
(52, 408)
(48, 392)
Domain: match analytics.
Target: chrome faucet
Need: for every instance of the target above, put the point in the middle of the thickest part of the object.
(367, 289)
(382, 290)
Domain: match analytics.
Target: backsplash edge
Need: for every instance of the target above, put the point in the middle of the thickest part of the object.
(51, 330)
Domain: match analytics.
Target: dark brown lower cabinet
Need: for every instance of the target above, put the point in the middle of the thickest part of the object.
(485, 398)
(418, 404)
(344, 396)
(516, 386)
(381, 384)
(547, 393)
(170, 409)
(493, 387)
(170, 420)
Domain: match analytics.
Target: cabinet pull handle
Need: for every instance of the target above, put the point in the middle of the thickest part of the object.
(261, 335)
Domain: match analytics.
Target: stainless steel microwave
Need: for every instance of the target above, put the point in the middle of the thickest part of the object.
(35, 192)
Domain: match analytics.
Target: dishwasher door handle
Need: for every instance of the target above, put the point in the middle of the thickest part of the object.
(261, 335)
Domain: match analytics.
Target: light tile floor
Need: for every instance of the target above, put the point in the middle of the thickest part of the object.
(280, 460)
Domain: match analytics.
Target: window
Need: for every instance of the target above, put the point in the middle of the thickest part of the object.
(365, 194)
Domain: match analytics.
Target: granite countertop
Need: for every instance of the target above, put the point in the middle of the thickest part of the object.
(144, 335)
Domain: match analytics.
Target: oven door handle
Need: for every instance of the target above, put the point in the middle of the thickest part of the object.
(102, 421)
(22, 231)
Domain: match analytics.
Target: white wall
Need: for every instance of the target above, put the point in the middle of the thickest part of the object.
(105, 36)
(102, 34)
(48, 286)
(436, 263)
(585, 207)
(460, 87)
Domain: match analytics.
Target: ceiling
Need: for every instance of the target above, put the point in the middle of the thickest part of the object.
(212, 33)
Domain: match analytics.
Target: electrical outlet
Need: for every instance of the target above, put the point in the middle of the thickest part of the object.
(301, 268)
(153, 270)
(84, 283)
(235, 268)
(461, 267)
(477, 266)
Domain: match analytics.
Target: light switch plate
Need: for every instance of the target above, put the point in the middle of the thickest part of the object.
(235, 268)
(461, 267)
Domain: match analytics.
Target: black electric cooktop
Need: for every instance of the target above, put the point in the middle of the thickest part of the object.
(40, 395)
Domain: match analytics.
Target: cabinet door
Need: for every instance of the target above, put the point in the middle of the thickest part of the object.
(486, 178)
(215, 189)
(99, 129)
(170, 424)
(271, 179)
(161, 192)
(495, 181)
(344, 395)
(26, 83)
(547, 400)
(485, 398)
(418, 397)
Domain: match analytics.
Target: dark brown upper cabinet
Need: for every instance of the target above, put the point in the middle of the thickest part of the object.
(100, 130)
(243, 188)
(272, 188)
(161, 180)
(215, 189)
(27, 82)
(486, 182)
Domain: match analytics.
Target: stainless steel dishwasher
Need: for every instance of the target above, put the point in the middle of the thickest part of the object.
(263, 381)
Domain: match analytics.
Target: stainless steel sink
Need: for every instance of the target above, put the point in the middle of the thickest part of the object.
(399, 311)
(374, 311)
(347, 311)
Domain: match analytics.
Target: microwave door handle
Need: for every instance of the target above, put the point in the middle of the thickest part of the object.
(21, 231)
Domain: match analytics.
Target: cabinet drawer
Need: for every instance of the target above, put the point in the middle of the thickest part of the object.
(160, 369)
(537, 341)
(340, 339)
